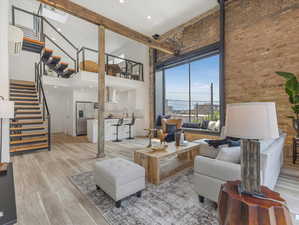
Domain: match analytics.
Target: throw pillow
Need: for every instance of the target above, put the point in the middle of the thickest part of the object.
(205, 124)
(232, 143)
(211, 125)
(231, 154)
(217, 143)
(191, 125)
(217, 125)
(170, 128)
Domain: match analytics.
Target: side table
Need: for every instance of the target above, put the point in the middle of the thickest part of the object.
(237, 209)
(295, 146)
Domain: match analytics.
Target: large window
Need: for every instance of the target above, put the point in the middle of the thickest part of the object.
(190, 91)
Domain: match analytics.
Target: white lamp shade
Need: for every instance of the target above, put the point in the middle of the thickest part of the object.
(253, 120)
(7, 109)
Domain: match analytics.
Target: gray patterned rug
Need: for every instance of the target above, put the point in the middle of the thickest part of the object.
(171, 203)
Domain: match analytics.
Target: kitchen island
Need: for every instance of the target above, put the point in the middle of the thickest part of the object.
(110, 130)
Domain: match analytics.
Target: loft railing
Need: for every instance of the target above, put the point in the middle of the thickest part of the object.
(42, 99)
(115, 66)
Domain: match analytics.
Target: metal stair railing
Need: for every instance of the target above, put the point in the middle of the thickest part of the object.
(42, 99)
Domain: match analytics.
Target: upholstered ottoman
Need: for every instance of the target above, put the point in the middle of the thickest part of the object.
(119, 178)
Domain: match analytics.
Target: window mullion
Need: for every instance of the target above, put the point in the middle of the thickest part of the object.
(189, 92)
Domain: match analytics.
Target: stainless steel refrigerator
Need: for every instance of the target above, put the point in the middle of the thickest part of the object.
(84, 111)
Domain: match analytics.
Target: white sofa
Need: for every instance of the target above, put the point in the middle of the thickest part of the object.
(210, 174)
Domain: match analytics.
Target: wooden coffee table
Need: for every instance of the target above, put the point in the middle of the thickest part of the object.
(150, 159)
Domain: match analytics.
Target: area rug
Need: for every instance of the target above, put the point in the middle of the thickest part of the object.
(173, 202)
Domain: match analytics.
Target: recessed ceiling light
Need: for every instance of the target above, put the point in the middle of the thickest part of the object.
(121, 1)
(148, 17)
(53, 39)
(55, 86)
(59, 29)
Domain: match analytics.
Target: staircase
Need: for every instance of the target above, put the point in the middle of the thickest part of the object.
(55, 64)
(29, 129)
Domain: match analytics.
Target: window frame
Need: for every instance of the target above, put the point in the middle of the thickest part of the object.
(188, 58)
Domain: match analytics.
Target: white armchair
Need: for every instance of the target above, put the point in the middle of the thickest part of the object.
(210, 174)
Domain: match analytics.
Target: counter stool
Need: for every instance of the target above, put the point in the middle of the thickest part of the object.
(119, 123)
(130, 128)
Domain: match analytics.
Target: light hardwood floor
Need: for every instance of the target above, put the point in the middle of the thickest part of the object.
(45, 195)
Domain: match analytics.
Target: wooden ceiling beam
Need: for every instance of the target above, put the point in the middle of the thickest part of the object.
(97, 19)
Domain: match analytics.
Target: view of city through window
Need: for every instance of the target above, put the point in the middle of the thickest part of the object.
(192, 90)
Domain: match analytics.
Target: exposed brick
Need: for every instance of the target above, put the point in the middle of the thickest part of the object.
(262, 36)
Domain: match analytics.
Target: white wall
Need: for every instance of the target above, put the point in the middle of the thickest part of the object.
(4, 78)
(140, 53)
(59, 101)
(21, 67)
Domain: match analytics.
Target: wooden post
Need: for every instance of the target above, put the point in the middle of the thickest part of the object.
(101, 93)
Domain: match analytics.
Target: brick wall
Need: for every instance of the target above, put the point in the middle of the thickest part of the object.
(261, 37)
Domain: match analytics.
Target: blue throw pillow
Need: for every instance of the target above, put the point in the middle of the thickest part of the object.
(191, 125)
(232, 143)
(170, 128)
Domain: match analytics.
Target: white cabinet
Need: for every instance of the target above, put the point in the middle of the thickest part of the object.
(110, 130)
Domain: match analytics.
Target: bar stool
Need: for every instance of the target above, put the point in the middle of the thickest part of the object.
(119, 123)
(130, 127)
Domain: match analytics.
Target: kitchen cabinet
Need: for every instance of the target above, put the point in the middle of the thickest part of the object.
(110, 130)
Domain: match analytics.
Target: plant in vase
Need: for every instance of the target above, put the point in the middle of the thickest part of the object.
(292, 89)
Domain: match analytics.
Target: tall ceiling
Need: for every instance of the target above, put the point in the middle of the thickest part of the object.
(164, 14)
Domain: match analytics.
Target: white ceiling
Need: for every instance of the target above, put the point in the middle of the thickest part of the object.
(165, 14)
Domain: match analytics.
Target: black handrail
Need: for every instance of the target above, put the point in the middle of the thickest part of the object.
(40, 30)
(44, 19)
(42, 98)
(53, 42)
(126, 73)
(63, 36)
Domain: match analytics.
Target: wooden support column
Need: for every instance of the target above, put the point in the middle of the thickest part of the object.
(101, 93)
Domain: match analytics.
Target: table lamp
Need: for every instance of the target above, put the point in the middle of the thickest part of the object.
(251, 122)
(6, 112)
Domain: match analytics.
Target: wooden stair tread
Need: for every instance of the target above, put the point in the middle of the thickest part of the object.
(28, 122)
(29, 140)
(24, 111)
(33, 41)
(26, 116)
(12, 94)
(22, 91)
(24, 107)
(29, 134)
(29, 147)
(28, 128)
(22, 82)
(23, 88)
(27, 102)
(27, 98)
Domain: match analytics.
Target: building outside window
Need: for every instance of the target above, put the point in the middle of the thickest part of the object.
(190, 91)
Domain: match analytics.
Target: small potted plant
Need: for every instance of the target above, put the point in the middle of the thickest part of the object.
(292, 89)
